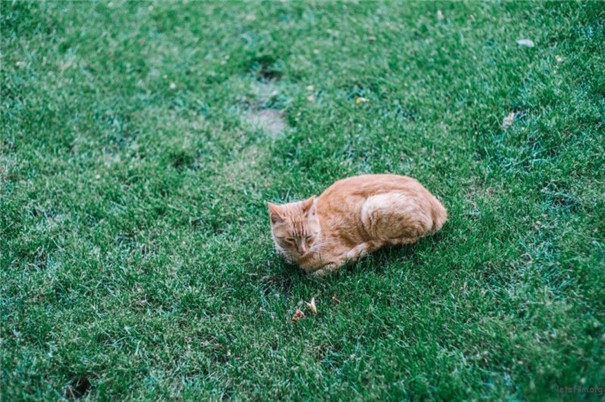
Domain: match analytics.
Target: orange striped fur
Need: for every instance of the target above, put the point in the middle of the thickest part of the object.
(352, 218)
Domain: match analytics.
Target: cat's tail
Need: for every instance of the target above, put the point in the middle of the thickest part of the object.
(439, 215)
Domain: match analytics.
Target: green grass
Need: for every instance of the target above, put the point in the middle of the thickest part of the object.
(136, 258)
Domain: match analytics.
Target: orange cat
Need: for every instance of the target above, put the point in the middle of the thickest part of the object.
(352, 218)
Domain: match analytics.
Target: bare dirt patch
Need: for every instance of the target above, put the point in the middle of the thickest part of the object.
(269, 120)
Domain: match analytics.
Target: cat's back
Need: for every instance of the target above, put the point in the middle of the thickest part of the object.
(371, 184)
(348, 198)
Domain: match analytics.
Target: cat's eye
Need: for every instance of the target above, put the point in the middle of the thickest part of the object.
(290, 240)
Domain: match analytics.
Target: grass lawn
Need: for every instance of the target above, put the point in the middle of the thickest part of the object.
(140, 143)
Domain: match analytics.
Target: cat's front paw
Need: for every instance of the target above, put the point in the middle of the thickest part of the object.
(326, 270)
(320, 273)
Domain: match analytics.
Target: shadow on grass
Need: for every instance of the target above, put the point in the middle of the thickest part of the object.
(377, 262)
(283, 280)
(380, 260)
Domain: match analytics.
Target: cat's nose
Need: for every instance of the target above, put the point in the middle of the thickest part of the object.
(302, 248)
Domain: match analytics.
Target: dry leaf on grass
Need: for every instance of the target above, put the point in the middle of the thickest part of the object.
(335, 300)
(439, 15)
(298, 315)
(525, 42)
(508, 120)
(312, 306)
(360, 99)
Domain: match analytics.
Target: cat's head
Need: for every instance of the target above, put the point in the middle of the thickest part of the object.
(295, 227)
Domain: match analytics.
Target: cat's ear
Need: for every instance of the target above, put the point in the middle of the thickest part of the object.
(275, 213)
(309, 206)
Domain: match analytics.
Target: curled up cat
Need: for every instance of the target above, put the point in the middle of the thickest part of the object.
(354, 217)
